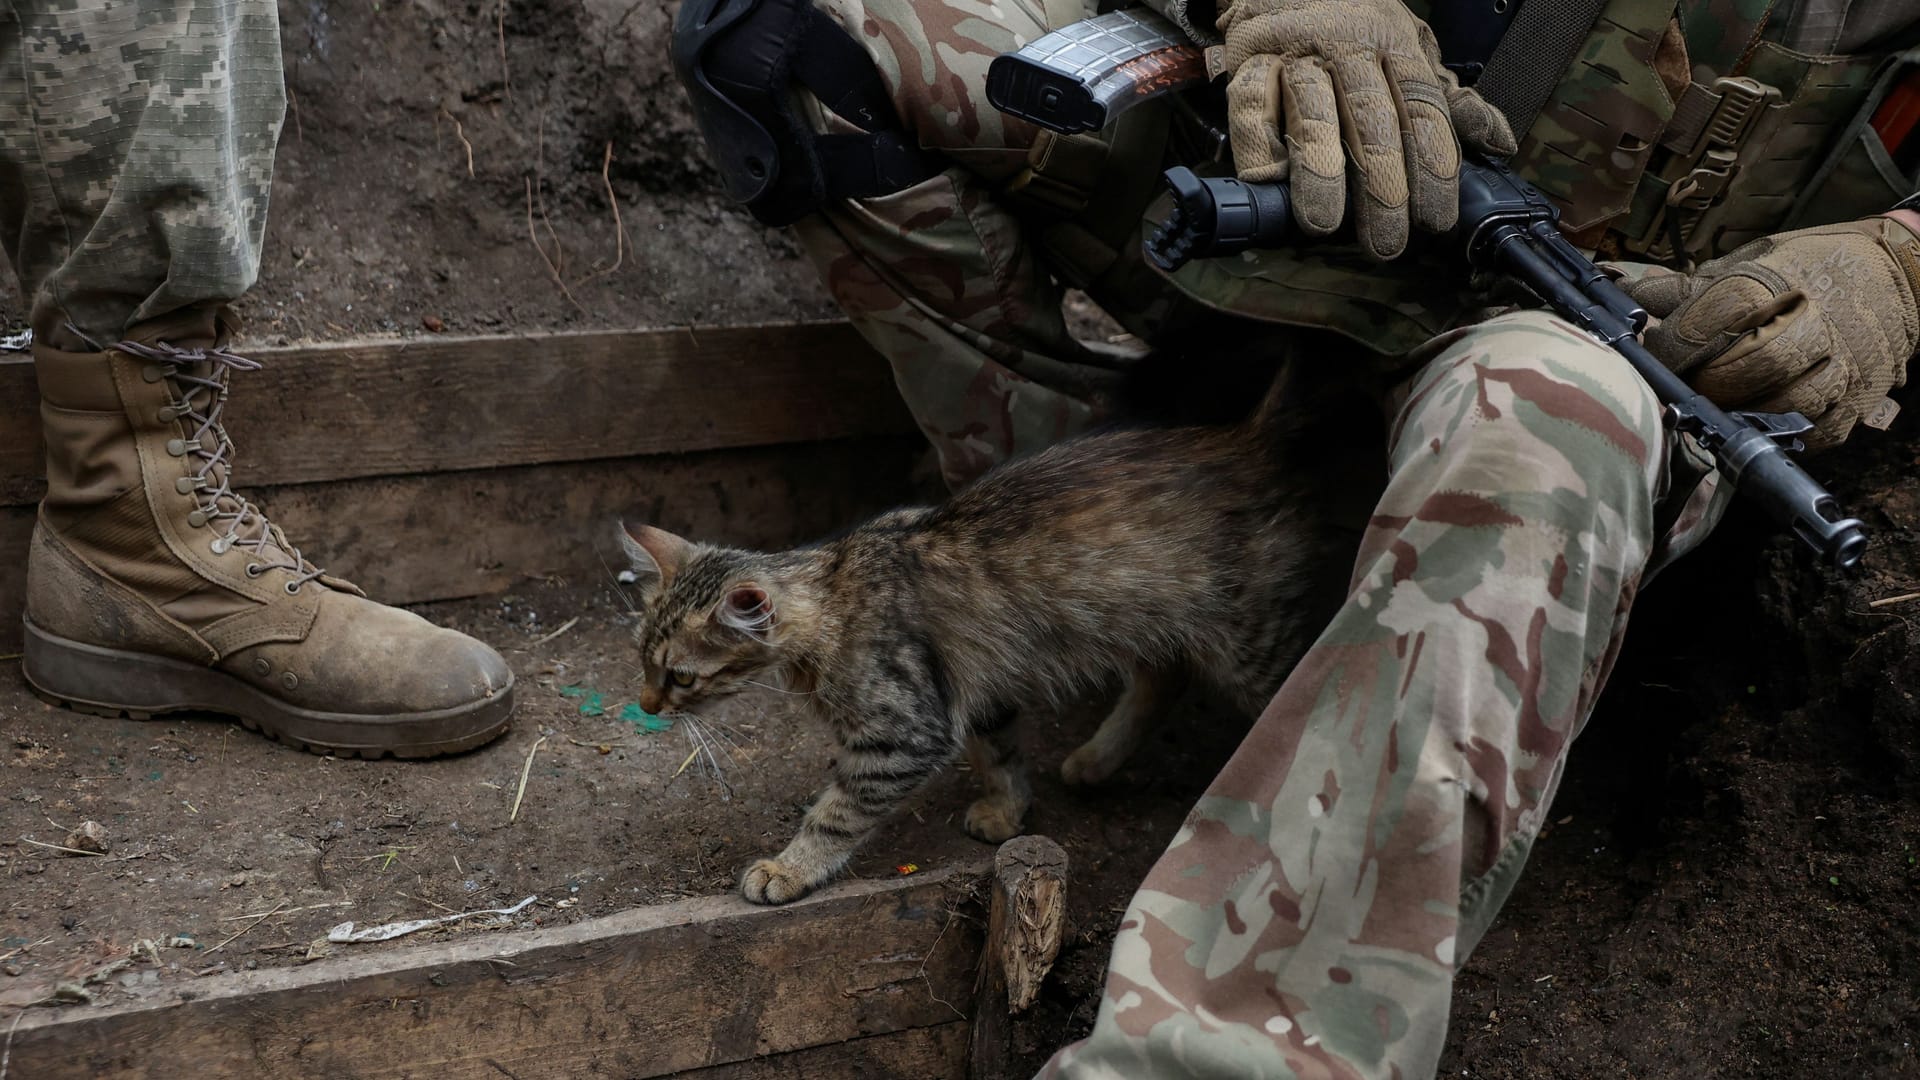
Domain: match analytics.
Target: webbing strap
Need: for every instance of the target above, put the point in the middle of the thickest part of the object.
(836, 70)
(1533, 56)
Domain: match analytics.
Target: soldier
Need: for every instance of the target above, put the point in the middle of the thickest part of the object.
(136, 150)
(1309, 916)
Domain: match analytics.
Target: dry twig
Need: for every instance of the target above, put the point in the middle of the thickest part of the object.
(11, 953)
(1901, 599)
(61, 847)
(6, 1056)
(619, 230)
(563, 628)
(551, 268)
(460, 132)
(247, 928)
(525, 771)
(506, 73)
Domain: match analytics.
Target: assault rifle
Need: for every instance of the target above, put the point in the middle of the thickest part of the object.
(1080, 77)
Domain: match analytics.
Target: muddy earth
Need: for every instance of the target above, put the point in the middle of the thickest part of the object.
(1728, 888)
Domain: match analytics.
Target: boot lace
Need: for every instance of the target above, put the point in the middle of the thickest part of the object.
(200, 378)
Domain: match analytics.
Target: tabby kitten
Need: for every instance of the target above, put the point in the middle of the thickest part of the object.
(1144, 554)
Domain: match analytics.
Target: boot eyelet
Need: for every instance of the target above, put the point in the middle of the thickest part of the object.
(187, 485)
(289, 680)
(220, 545)
(197, 518)
(254, 569)
(262, 667)
(177, 447)
(293, 588)
(152, 373)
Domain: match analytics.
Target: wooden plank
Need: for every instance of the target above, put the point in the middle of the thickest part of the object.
(413, 539)
(387, 408)
(929, 1053)
(643, 993)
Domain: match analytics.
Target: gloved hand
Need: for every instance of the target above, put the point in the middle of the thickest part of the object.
(1366, 72)
(1821, 321)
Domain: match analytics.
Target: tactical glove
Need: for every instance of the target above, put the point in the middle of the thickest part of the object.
(1821, 321)
(1309, 75)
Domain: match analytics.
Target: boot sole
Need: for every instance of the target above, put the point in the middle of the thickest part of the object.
(119, 684)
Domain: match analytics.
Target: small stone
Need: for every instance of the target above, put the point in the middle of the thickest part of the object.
(90, 836)
(253, 965)
(68, 922)
(433, 323)
(13, 970)
(73, 992)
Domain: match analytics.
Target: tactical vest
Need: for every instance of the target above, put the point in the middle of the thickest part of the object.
(1678, 133)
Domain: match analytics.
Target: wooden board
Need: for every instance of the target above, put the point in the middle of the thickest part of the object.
(439, 537)
(644, 993)
(387, 408)
(928, 1053)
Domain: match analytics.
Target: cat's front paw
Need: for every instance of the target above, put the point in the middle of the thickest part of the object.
(993, 820)
(770, 881)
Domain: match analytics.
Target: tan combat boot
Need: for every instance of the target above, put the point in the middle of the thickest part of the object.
(153, 588)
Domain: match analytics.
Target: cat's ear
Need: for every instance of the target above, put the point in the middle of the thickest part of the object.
(749, 609)
(653, 552)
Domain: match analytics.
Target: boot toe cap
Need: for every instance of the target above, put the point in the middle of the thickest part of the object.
(365, 658)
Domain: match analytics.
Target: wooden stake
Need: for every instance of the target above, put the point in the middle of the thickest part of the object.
(1026, 919)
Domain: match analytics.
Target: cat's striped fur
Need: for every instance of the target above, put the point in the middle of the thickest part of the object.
(1146, 554)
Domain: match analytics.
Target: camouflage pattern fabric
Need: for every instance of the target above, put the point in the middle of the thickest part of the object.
(943, 279)
(1308, 917)
(136, 150)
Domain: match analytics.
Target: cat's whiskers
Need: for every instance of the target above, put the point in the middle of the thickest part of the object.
(705, 739)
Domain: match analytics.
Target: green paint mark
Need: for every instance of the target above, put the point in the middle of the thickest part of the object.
(592, 702)
(1833, 881)
(645, 721)
(154, 775)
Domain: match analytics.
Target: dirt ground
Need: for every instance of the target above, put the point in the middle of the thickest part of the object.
(207, 823)
(1729, 888)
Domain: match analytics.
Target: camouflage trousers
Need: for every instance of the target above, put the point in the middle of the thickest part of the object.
(136, 152)
(1309, 916)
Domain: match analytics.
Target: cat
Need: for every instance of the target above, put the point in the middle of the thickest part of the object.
(1144, 554)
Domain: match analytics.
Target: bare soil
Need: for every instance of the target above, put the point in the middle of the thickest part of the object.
(1729, 888)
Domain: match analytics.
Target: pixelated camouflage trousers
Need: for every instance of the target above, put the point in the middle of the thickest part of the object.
(136, 153)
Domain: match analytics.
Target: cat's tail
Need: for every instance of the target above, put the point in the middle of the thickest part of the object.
(1314, 406)
(1285, 411)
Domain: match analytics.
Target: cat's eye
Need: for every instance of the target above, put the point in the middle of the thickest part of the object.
(682, 679)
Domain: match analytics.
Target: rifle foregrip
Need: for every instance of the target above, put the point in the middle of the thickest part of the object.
(1081, 76)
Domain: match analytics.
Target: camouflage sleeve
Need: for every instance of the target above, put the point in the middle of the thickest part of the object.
(942, 278)
(1194, 16)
